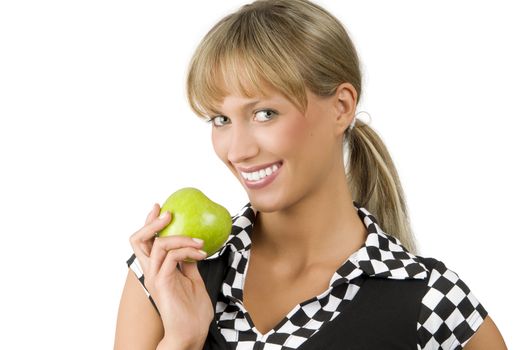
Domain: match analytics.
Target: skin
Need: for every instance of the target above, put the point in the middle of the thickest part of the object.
(310, 197)
(176, 286)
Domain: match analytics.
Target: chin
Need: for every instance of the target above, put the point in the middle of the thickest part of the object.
(269, 202)
(271, 198)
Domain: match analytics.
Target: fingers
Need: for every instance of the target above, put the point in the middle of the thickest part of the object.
(142, 240)
(160, 257)
(175, 257)
(148, 231)
(190, 269)
(153, 214)
(173, 249)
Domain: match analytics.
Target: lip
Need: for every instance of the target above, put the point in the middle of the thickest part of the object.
(265, 181)
(259, 167)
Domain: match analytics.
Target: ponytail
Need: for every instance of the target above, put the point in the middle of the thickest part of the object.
(374, 183)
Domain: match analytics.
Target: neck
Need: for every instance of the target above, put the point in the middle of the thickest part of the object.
(322, 228)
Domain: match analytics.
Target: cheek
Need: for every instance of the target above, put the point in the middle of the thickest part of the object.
(289, 139)
(218, 144)
(320, 133)
(310, 142)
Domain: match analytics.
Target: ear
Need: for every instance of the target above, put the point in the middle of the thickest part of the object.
(345, 100)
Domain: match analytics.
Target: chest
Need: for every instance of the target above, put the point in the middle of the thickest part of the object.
(269, 297)
(382, 315)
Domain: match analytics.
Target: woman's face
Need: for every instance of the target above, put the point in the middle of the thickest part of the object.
(279, 154)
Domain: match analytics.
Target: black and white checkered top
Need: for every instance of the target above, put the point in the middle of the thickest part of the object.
(450, 313)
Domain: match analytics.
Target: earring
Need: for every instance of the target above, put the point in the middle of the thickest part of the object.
(350, 127)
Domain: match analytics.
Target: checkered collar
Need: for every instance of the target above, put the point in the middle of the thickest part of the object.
(381, 255)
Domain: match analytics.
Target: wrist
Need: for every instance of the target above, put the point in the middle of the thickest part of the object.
(165, 344)
(171, 344)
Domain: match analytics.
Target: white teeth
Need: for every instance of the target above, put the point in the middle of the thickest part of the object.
(258, 175)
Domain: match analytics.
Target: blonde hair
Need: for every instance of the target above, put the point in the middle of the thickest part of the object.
(295, 45)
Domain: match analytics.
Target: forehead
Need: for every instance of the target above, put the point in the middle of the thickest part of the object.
(232, 82)
(234, 98)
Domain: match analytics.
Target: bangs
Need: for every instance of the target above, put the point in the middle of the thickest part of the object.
(231, 61)
(229, 74)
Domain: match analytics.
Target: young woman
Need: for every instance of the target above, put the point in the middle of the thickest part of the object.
(322, 257)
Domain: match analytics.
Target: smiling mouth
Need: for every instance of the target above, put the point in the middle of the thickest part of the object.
(262, 173)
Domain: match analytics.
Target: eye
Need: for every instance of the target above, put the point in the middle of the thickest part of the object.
(263, 115)
(218, 121)
(266, 114)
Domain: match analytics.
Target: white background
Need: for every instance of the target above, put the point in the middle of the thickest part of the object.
(95, 128)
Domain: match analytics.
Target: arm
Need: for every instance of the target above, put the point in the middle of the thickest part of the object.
(487, 337)
(184, 306)
(138, 324)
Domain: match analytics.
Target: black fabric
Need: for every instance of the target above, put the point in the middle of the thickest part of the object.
(213, 273)
(382, 315)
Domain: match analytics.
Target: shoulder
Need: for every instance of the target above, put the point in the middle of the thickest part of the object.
(450, 313)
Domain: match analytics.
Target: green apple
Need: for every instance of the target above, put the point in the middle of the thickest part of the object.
(195, 215)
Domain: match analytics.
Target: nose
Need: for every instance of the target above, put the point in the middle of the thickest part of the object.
(242, 145)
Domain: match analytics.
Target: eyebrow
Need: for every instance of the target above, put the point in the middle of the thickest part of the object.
(244, 107)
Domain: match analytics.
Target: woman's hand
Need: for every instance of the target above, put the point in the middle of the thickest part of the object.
(175, 285)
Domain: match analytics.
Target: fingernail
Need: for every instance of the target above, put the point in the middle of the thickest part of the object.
(164, 215)
(203, 252)
(197, 240)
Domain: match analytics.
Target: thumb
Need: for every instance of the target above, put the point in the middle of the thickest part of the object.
(190, 269)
